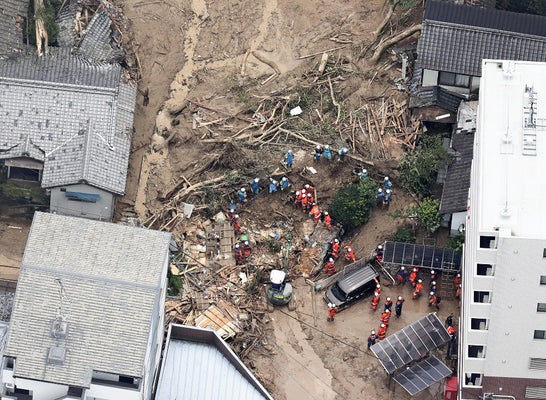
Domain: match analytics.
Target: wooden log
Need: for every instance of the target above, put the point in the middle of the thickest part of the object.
(393, 40)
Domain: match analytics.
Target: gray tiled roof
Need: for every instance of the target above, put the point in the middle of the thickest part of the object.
(12, 13)
(65, 21)
(455, 192)
(435, 96)
(75, 116)
(96, 43)
(110, 275)
(459, 41)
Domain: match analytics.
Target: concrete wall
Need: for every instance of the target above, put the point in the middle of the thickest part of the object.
(103, 209)
(430, 77)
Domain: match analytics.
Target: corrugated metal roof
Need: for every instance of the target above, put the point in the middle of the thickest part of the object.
(75, 116)
(488, 18)
(12, 14)
(198, 365)
(110, 276)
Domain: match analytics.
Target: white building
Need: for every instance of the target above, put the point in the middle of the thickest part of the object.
(88, 313)
(502, 345)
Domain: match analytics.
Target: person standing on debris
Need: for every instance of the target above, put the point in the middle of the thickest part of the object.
(379, 197)
(247, 250)
(363, 174)
(318, 152)
(387, 184)
(401, 275)
(418, 289)
(341, 153)
(388, 304)
(297, 199)
(382, 332)
(285, 183)
(327, 220)
(273, 185)
(255, 185)
(398, 306)
(386, 317)
(334, 248)
(289, 158)
(332, 311)
(304, 201)
(315, 213)
(330, 267)
(236, 225)
(387, 198)
(231, 215)
(327, 153)
(349, 254)
(372, 339)
(242, 195)
(310, 198)
(309, 189)
(238, 252)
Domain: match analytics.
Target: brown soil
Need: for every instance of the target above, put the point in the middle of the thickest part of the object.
(194, 51)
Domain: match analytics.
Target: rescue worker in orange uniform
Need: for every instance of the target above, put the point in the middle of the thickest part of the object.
(332, 311)
(310, 199)
(382, 332)
(315, 213)
(418, 289)
(247, 250)
(458, 280)
(372, 339)
(386, 317)
(349, 254)
(452, 331)
(433, 300)
(304, 201)
(327, 220)
(297, 199)
(375, 301)
(330, 267)
(236, 226)
(413, 276)
(335, 248)
(238, 252)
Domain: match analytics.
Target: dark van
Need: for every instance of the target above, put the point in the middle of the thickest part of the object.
(352, 286)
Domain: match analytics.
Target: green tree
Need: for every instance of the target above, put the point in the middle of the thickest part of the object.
(351, 204)
(426, 213)
(418, 169)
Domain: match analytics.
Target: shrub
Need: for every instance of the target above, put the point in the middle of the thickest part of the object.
(351, 204)
(418, 169)
(426, 213)
(456, 242)
(404, 235)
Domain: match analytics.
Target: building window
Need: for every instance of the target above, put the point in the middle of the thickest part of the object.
(485, 270)
(537, 363)
(479, 324)
(75, 391)
(472, 379)
(476, 351)
(487, 242)
(451, 79)
(9, 363)
(543, 253)
(85, 197)
(539, 334)
(535, 392)
(543, 279)
(482, 297)
(541, 307)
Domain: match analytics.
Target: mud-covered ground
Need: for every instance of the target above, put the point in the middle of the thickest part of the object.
(201, 50)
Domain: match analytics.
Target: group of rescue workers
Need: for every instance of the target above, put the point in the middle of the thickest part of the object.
(385, 315)
(333, 254)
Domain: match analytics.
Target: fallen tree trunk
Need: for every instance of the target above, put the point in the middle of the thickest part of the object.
(393, 40)
(385, 21)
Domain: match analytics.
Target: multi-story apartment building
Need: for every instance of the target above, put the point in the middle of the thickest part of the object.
(502, 344)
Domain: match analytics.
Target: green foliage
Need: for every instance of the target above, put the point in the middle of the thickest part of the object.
(404, 235)
(13, 190)
(523, 6)
(456, 242)
(418, 169)
(47, 14)
(426, 213)
(175, 283)
(351, 205)
(238, 89)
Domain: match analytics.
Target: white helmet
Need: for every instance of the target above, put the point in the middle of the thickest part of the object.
(379, 190)
(333, 304)
(414, 269)
(331, 259)
(388, 299)
(431, 293)
(330, 305)
(308, 194)
(318, 146)
(433, 283)
(325, 212)
(420, 281)
(378, 286)
(306, 186)
(387, 310)
(242, 189)
(298, 192)
(399, 297)
(432, 271)
(246, 241)
(364, 171)
(237, 246)
(380, 247)
(349, 248)
(372, 332)
(256, 180)
(458, 275)
(284, 178)
(289, 151)
(236, 216)
(382, 325)
(336, 241)
(326, 146)
(386, 179)
(388, 191)
(303, 191)
(403, 268)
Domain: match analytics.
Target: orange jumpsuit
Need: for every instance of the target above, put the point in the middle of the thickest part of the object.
(382, 333)
(330, 268)
(315, 214)
(328, 221)
(349, 254)
(335, 250)
(375, 301)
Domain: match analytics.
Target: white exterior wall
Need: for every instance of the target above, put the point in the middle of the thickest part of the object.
(506, 201)
(103, 209)
(430, 78)
(456, 220)
(104, 392)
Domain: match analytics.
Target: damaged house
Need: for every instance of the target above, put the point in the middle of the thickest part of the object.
(67, 116)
